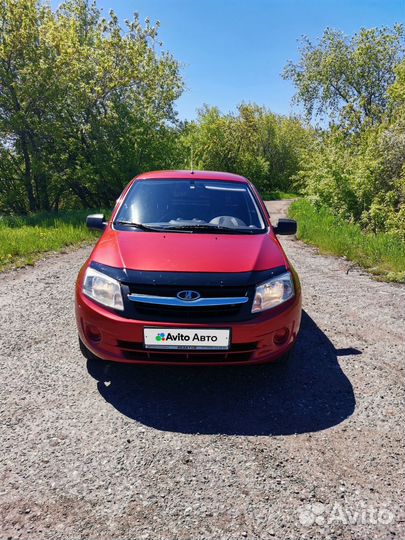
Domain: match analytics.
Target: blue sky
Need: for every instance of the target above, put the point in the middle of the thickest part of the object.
(235, 50)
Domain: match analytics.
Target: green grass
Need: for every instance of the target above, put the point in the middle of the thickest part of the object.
(24, 238)
(278, 195)
(381, 254)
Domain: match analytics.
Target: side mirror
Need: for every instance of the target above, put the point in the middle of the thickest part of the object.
(96, 222)
(285, 226)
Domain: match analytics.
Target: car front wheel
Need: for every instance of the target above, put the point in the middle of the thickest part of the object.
(97, 368)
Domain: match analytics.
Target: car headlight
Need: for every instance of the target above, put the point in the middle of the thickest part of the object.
(273, 292)
(102, 288)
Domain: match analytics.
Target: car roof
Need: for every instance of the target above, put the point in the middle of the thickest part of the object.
(191, 175)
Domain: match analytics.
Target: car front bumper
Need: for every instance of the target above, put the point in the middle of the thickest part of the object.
(261, 339)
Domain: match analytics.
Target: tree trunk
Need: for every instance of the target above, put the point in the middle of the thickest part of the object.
(84, 195)
(40, 179)
(27, 173)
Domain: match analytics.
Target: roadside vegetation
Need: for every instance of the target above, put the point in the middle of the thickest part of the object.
(381, 254)
(88, 101)
(24, 239)
(278, 195)
(353, 175)
(356, 167)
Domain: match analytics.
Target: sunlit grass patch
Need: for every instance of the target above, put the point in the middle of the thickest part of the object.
(24, 238)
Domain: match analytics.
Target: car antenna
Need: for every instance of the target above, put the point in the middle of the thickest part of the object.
(191, 159)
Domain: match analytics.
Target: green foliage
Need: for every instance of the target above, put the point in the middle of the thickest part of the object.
(254, 142)
(357, 167)
(397, 90)
(278, 195)
(24, 239)
(382, 254)
(84, 105)
(347, 78)
(360, 178)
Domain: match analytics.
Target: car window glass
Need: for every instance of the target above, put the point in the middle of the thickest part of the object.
(178, 202)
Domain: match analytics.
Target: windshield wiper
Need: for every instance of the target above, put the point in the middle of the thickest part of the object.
(184, 228)
(209, 228)
(137, 226)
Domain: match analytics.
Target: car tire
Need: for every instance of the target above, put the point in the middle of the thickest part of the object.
(86, 352)
(97, 368)
(285, 359)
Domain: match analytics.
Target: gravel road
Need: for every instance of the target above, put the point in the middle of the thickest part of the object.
(309, 450)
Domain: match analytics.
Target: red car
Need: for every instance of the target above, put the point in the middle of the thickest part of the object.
(188, 271)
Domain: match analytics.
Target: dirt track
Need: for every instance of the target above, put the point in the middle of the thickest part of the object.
(312, 450)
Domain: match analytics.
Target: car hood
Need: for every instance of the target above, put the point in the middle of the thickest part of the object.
(184, 252)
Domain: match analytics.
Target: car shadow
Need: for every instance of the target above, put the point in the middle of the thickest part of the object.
(307, 394)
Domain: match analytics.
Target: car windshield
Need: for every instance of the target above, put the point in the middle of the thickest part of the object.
(191, 206)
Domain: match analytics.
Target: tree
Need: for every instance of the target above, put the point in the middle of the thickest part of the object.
(360, 173)
(347, 78)
(84, 105)
(253, 142)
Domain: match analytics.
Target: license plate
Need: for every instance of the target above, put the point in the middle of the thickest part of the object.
(186, 338)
